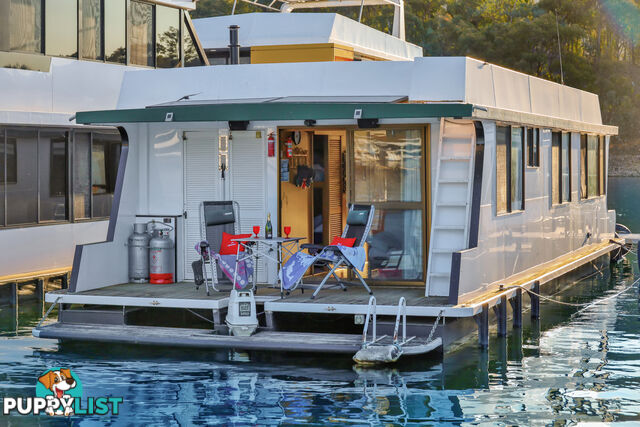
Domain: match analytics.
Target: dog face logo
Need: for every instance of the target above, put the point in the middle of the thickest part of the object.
(60, 387)
(58, 381)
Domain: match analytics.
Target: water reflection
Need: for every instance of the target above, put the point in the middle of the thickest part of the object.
(571, 365)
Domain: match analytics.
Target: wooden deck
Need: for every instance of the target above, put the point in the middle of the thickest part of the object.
(176, 295)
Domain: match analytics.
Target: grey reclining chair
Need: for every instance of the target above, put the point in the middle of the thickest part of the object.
(358, 225)
(216, 217)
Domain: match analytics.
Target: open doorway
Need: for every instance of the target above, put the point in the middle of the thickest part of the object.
(313, 198)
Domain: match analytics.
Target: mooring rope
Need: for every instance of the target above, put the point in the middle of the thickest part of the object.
(202, 317)
(585, 305)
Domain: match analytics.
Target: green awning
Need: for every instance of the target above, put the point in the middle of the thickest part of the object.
(274, 112)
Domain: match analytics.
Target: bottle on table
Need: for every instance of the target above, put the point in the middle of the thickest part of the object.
(268, 229)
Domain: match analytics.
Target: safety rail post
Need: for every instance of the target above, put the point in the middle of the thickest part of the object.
(371, 310)
(402, 311)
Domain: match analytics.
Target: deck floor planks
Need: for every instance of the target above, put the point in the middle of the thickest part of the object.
(182, 290)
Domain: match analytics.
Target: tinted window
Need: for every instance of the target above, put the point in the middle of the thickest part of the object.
(22, 194)
(555, 167)
(115, 31)
(21, 25)
(141, 34)
(533, 145)
(592, 165)
(583, 167)
(104, 169)
(388, 172)
(566, 167)
(52, 171)
(89, 18)
(388, 165)
(82, 175)
(502, 168)
(61, 28)
(167, 37)
(517, 168)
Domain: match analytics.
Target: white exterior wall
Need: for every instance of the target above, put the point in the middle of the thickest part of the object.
(510, 243)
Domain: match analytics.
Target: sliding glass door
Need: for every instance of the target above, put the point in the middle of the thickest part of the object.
(388, 171)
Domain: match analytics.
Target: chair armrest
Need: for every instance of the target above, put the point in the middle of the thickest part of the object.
(312, 248)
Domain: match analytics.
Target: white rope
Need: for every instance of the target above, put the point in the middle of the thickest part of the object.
(202, 317)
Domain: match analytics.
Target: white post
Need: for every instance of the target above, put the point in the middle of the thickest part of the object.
(398, 21)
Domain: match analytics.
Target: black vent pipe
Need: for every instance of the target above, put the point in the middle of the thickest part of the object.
(234, 47)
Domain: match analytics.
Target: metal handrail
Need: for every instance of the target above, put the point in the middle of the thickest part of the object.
(402, 310)
(370, 307)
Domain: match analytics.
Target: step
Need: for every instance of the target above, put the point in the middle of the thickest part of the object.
(451, 204)
(439, 274)
(453, 181)
(449, 227)
(443, 251)
(455, 159)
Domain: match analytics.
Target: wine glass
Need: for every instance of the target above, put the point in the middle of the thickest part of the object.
(287, 230)
(256, 230)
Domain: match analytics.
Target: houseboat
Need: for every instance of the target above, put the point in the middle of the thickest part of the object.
(487, 184)
(57, 178)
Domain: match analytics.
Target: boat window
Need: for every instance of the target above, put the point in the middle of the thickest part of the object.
(556, 181)
(583, 167)
(533, 146)
(502, 137)
(509, 169)
(388, 173)
(565, 166)
(52, 174)
(61, 28)
(601, 163)
(167, 37)
(115, 49)
(105, 157)
(90, 29)
(22, 191)
(81, 175)
(141, 43)
(517, 168)
(23, 19)
(592, 165)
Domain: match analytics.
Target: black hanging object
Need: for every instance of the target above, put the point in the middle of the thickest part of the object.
(304, 177)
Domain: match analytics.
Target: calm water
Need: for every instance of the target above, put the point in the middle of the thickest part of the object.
(571, 366)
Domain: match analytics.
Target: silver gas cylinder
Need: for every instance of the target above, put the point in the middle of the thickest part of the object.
(161, 257)
(139, 254)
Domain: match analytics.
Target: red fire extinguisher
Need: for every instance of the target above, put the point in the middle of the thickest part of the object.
(271, 145)
(289, 146)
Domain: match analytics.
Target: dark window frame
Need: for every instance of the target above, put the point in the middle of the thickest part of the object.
(70, 134)
(185, 28)
(601, 176)
(533, 147)
(509, 157)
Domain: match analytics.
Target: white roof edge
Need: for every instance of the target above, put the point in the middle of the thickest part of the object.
(269, 29)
